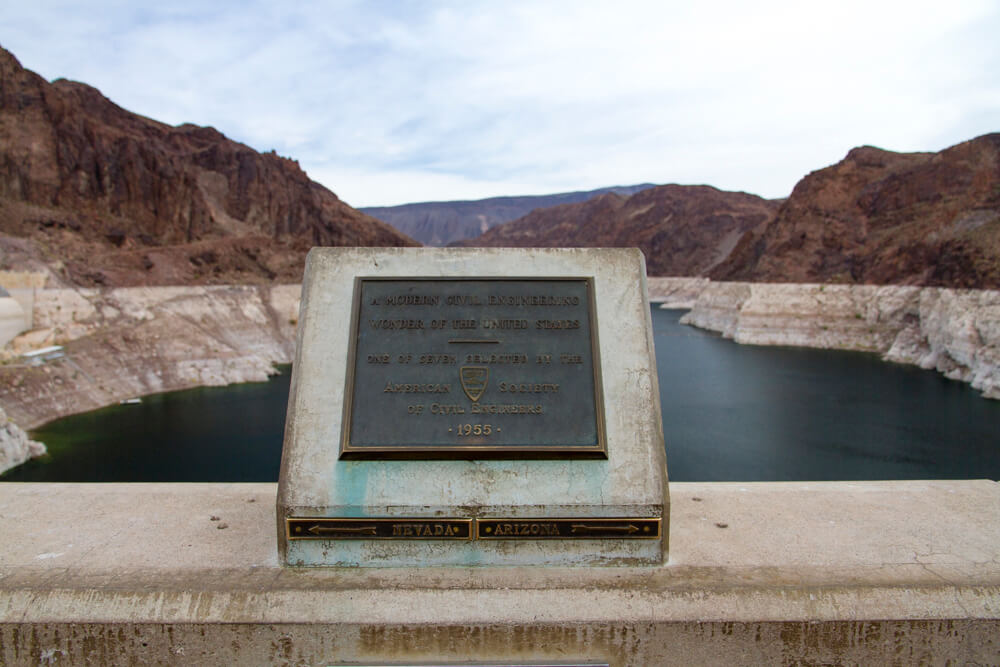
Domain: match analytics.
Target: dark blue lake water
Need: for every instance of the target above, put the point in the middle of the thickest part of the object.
(730, 412)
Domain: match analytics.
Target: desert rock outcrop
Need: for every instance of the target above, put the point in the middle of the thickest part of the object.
(879, 217)
(15, 445)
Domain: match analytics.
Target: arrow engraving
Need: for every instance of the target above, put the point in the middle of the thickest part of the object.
(333, 530)
(584, 528)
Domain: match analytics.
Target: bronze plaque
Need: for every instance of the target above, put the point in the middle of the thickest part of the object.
(408, 528)
(567, 529)
(473, 368)
(325, 528)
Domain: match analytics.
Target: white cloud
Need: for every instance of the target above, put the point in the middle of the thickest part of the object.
(402, 101)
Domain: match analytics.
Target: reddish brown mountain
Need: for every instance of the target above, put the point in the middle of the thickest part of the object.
(684, 230)
(883, 217)
(100, 195)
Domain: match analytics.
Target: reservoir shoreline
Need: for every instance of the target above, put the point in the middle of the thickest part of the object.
(128, 342)
(953, 331)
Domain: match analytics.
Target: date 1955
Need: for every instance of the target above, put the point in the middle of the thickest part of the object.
(473, 429)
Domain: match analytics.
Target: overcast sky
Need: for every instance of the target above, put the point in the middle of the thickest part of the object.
(394, 102)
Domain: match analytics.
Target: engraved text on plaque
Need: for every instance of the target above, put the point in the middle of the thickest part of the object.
(473, 368)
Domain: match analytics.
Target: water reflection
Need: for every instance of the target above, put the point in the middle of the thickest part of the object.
(742, 413)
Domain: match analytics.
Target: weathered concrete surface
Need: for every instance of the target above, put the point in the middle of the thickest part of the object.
(893, 573)
(127, 342)
(630, 483)
(956, 332)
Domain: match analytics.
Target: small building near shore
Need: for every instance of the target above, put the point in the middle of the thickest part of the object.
(41, 355)
(13, 318)
(17, 301)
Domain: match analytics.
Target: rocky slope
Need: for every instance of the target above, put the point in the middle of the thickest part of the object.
(956, 332)
(684, 230)
(127, 342)
(444, 222)
(675, 293)
(15, 446)
(884, 218)
(102, 196)
(876, 217)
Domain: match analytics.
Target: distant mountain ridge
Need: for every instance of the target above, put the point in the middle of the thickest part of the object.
(98, 195)
(684, 230)
(441, 223)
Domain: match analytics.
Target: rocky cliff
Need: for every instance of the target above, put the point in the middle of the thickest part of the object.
(684, 230)
(956, 332)
(126, 342)
(880, 217)
(876, 217)
(15, 446)
(676, 293)
(98, 195)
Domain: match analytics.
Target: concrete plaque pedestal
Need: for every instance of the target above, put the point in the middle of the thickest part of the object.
(425, 493)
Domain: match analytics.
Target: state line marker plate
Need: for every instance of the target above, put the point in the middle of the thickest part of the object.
(384, 528)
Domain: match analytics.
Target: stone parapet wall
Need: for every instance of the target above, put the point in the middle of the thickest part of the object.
(759, 573)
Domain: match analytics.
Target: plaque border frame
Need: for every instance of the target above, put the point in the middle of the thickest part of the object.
(434, 452)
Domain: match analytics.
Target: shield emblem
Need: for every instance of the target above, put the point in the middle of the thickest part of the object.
(474, 379)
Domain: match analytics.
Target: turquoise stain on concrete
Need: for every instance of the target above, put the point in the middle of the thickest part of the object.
(587, 478)
(349, 487)
(471, 555)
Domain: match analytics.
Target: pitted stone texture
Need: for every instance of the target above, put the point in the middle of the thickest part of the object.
(631, 482)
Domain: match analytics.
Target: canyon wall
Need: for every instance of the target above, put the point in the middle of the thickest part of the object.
(953, 331)
(94, 195)
(883, 218)
(679, 293)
